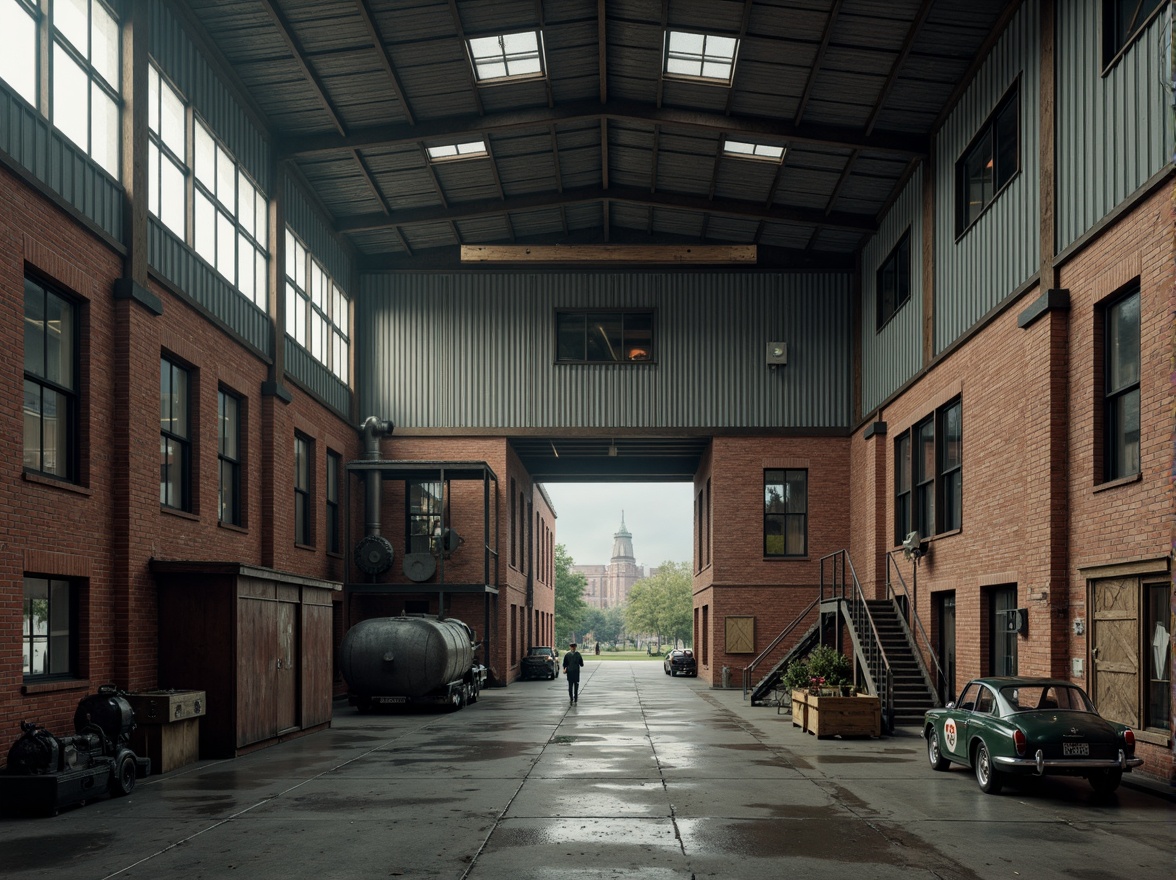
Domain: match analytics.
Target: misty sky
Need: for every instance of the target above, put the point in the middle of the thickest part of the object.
(659, 516)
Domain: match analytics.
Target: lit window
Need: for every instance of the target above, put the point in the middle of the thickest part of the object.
(84, 86)
(470, 150)
(748, 150)
(598, 336)
(166, 165)
(317, 310)
(507, 56)
(704, 57)
(18, 61)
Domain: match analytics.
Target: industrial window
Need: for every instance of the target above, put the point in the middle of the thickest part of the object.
(49, 641)
(893, 281)
(18, 61)
(1002, 638)
(167, 167)
(303, 487)
(228, 410)
(229, 218)
(175, 444)
(424, 511)
(506, 56)
(703, 57)
(318, 312)
(1121, 416)
(928, 475)
(447, 152)
(1123, 21)
(599, 336)
(334, 468)
(990, 162)
(84, 64)
(749, 150)
(1157, 653)
(50, 382)
(786, 512)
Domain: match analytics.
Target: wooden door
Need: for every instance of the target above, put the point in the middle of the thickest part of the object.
(317, 666)
(285, 670)
(257, 629)
(1115, 649)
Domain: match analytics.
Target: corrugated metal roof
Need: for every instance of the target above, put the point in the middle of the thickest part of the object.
(603, 146)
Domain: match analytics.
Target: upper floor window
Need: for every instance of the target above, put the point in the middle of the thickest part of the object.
(1121, 397)
(424, 515)
(928, 475)
(990, 161)
(786, 512)
(893, 281)
(303, 472)
(334, 468)
(318, 312)
(175, 441)
(167, 169)
(50, 638)
(50, 382)
(598, 336)
(229, 456)
(507, 56)
(82, 69)
(1123, 20)
(704, 57)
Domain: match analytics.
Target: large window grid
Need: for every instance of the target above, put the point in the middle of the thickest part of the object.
(167, 170)
(786, 512)
(318, 312)
(175, 445)
(928, 474)
(50, 382)
(18, 61)
(229, 457)
(989, 163)
(600, 336)
(49, 632)
(1121, 396)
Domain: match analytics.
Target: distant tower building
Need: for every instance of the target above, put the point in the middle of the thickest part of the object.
(609, 585)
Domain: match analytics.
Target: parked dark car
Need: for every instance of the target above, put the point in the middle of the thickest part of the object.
(1001, 727)
(680, 661)
(541, 661)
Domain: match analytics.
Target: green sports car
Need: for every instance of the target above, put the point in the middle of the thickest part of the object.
(1004, 726)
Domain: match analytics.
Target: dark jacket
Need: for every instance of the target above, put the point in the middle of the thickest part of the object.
(572, 661)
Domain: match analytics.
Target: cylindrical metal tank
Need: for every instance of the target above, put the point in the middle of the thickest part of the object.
(405, 656)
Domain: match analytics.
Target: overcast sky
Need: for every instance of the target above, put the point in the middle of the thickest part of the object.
(658, 515)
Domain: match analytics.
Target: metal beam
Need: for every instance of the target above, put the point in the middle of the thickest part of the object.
(613, 253)
(286, 31)
(627, 195)
(907, 45)
(591, 113)
(818, 60)
(369, 23)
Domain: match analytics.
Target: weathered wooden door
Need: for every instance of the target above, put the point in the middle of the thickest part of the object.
(286, 668)
(257, 624)
(1115, 649)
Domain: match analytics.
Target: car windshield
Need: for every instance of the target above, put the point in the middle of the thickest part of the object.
(1036, 698)
(539, 652)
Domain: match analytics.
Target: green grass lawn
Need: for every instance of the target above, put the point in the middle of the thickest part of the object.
(620, 655)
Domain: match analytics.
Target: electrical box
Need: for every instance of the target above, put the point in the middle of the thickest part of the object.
(1017, 620)
(777, 354)
(1077, 667)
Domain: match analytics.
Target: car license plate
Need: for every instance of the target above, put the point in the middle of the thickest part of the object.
(1075, 749)
(389, 701)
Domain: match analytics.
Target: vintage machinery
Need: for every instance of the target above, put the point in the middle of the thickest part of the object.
(47, 772)
(388, 660)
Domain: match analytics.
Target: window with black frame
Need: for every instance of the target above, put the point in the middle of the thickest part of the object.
(303, 471)
(923, 477)
(929, 475)
(1158, 654)
(49, 640)
(229, 456)
(989, 162)
(424, 512)
(902, 487)
(1121, 414)
(598, 336)
(950, 458)
(175, 441)
(334, 467)
(50, 382)
(786, 512)
(893, 282)
(1123, 21)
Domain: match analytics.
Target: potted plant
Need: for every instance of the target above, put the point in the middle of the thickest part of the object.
(823, 699)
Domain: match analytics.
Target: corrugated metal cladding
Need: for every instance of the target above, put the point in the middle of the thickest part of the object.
(52, 158)
(894, 353)
(180, 61)
(314, 232)
(478, 350)
(1113, 131)
(1000, 251)
(178, 265)
(316, 378)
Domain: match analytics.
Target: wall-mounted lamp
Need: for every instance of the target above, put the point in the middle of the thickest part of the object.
(777, 354)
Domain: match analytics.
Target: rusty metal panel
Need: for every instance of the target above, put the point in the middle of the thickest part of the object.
(977, 269)
(477, 350)
(893, 353)
(1114, 130)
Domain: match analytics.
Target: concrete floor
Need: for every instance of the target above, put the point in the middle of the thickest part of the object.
(647, 776)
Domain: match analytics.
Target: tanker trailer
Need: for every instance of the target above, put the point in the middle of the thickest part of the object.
(398, 660)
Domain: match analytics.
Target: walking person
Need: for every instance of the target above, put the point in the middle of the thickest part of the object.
(573, 660)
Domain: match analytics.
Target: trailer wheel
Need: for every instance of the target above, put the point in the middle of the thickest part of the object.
(124, 775)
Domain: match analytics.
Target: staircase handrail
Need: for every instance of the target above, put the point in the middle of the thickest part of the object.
(759, 658)
(838, 561)
(914, 613)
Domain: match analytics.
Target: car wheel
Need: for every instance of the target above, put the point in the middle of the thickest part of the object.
(1105, 781)
(934, 755)
(124, 775)
(987, 776)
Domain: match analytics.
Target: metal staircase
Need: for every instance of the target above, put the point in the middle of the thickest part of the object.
(765, 687)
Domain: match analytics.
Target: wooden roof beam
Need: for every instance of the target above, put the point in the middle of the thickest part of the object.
(286, 31)
(369, 22)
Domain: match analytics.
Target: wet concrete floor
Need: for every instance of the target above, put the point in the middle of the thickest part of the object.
(647, 776)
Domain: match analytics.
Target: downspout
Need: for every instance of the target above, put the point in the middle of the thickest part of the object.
(372, 430)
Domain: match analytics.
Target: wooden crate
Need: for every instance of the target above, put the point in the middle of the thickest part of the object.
(168, 727)
(161, 707)
(822, 716)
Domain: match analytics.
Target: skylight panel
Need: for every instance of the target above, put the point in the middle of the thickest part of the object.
(448, 152)
(749, 150)
(704, 57)
(507, 56)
